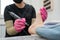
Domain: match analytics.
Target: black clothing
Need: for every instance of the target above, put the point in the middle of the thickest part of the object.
(27, 12)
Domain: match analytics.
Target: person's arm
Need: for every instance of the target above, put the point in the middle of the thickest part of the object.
(9, 27)
(13, 28)
(9, 22)
(33, 15)
(18, 26)
(33, 20)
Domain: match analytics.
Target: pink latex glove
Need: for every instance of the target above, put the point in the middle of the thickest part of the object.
(19, 24)
(43, 12)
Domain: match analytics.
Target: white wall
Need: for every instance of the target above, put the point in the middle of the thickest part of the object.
(36, 3)
(55, 14)
(4, 3)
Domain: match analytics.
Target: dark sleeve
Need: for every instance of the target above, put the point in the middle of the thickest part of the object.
(33, 12)
(7, 15)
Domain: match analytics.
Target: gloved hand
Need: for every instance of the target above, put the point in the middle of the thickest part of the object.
(43, 13)
(19, 24)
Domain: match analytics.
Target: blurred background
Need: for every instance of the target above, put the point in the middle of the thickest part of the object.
(53, 14)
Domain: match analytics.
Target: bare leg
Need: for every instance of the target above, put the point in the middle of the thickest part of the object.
(38, 23)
